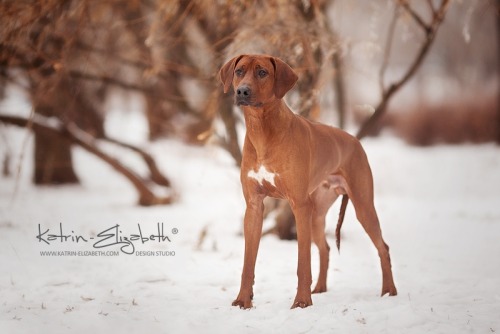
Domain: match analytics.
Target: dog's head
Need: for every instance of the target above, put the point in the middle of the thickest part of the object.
(257, 79)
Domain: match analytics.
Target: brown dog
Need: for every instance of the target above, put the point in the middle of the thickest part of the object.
(309, 164)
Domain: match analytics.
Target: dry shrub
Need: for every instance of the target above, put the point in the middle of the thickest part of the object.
(473, 120)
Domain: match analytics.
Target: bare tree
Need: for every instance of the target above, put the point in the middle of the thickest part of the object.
(430, 30)
(59, 47)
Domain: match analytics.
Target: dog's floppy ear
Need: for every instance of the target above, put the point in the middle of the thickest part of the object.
(227, 71)
(285, 77)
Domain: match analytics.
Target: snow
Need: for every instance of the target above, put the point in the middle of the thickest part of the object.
(439, 210)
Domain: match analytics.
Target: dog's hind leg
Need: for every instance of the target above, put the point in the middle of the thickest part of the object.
(360, 191)
(323, 198)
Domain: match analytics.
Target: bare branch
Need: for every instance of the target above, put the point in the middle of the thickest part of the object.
(156, 175)
(29, 126)
(394, 87)
(431, 7)
(142, 64)
(107, 80)
(120, 83)
(388, 47)
(415, 16)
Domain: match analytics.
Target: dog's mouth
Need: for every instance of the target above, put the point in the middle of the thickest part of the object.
(242, 102)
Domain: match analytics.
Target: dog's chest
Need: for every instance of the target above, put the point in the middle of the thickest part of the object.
(262, 174)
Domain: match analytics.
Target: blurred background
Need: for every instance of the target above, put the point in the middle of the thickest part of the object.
(112, 103)
(426, 71)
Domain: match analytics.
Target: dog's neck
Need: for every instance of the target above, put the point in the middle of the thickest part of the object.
(267, 125)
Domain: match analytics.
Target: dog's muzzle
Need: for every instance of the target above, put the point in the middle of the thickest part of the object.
(243, 96)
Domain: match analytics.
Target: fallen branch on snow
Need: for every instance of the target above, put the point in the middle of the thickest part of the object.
(76, 135)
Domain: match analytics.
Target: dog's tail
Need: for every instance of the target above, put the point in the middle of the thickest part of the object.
(343, 206)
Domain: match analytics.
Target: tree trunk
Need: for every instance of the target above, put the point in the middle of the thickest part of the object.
(53, 160)
(226, 112)
(158, 113)
(63, 98)
(498, 70)
(338, 82)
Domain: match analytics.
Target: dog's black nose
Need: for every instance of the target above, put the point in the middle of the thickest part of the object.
(243, 91)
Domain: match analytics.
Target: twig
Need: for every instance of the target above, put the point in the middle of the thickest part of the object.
(201, 238)
(29, 125)
(415, 15)
(8, 152)
(388, 47)
(431, 7)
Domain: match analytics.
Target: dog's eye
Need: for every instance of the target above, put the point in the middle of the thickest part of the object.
(262, 73)
(238, 72)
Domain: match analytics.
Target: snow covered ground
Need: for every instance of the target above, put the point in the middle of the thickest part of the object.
(440, 214)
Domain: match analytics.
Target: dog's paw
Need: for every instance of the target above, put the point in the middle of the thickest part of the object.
(243, 304)
(319, 289)
(391, 291)
(301, 305)
(302, 302)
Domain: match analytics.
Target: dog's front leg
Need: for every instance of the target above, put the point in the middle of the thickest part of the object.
(303, 215)
(253, 231)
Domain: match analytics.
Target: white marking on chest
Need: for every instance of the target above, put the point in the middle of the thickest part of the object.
(262, 175)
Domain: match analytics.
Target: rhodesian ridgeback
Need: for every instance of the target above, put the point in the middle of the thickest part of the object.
(309, 164)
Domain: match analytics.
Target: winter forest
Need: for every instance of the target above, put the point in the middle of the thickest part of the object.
(120, 198)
